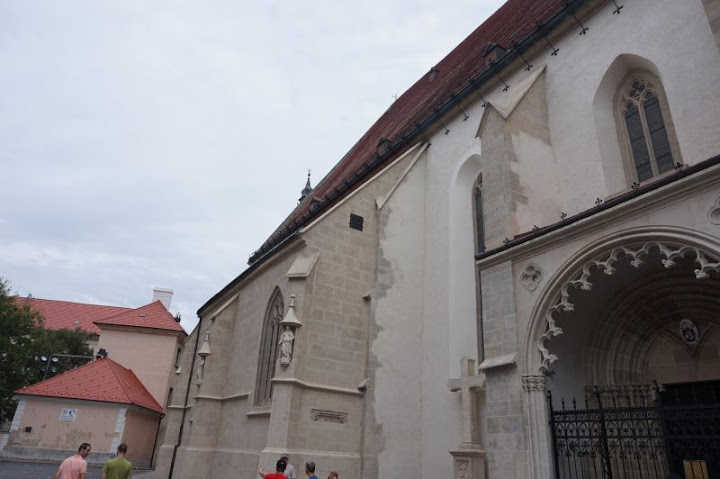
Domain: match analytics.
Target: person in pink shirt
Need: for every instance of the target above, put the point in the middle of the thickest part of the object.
(74, 467)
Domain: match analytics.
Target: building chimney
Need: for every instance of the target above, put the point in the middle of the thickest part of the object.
(163, 295)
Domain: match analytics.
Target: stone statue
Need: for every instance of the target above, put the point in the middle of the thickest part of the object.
(286, 340)
(200, 370)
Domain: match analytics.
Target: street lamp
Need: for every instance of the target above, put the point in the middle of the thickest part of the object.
(48, 364)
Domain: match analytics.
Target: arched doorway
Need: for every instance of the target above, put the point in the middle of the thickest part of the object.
(631, 354)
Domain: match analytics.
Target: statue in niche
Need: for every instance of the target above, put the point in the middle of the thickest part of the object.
(200, 370)
(286, 342)
(203, 354)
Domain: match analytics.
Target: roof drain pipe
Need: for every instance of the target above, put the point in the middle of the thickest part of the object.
(187, 398)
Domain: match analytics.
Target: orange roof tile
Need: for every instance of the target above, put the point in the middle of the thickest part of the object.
(102, 380)
(68, 315)
(153, 316)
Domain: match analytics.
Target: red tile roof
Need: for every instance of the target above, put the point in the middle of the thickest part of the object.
(102, 380)
(153, 316)
(515, 21)
(68, 315)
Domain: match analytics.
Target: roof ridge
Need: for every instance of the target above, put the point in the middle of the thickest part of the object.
(89, 363)
(32, 298)
(129, 310)
(153, 316)
(120, 381)
(124, 385)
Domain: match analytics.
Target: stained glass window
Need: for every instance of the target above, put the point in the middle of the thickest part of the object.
(645, 128)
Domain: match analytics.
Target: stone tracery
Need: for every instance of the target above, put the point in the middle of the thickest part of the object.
(531, 277)
(714, 212)
(670, 254)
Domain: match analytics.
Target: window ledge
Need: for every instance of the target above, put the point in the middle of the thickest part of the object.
(258, 412)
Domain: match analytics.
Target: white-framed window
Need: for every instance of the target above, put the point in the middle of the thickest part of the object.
(647, 137)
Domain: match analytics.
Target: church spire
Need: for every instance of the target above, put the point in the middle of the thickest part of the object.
(307, 190)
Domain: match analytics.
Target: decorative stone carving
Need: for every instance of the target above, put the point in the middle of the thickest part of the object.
(468, 464)
(319, 415)
(670, 253)
(204, 352)
(533, 383)
(200, 370)
(531, 277)
(462, 469)
(714, 212)
(286, 344)
(290, 322)
(689, 332)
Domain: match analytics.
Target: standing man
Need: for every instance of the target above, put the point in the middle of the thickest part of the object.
(310, 470)
(74, 467)
(119, 467)
(289, 469)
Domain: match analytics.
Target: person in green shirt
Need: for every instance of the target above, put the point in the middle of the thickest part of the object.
(119, 467)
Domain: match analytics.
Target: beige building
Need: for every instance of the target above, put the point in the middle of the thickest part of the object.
(101, 403)
(539, 213)
(144, 345)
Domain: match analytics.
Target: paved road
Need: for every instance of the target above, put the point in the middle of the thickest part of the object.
(27, 470)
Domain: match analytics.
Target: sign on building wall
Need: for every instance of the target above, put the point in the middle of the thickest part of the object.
(68, 414)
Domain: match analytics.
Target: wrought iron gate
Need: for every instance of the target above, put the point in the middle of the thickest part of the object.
(637, 432)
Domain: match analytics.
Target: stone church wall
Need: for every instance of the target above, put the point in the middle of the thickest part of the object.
(319, 398)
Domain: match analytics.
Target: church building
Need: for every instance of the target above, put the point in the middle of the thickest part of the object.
(515, 273)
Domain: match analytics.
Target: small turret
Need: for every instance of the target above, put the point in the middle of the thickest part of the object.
(307, 190)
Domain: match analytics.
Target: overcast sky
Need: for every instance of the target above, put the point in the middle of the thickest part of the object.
(159, 143)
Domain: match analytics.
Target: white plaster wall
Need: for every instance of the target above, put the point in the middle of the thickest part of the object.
(676, 38)
(462, 302)
(398, 347)
(448, 288)
(569, 177)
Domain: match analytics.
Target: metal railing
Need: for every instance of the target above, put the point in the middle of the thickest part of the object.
(629, 432)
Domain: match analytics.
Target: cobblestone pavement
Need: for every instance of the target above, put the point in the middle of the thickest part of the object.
(31, 470)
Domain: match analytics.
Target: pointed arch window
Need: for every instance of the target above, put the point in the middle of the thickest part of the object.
(479, 221)
(645, 128)
(269, 349)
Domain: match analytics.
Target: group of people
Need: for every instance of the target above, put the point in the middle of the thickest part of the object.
(75, 467)
(285, 470)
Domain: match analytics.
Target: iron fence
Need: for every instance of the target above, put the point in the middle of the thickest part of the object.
(629, 432)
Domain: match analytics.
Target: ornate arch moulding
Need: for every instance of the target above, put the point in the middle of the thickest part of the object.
(670, 254)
